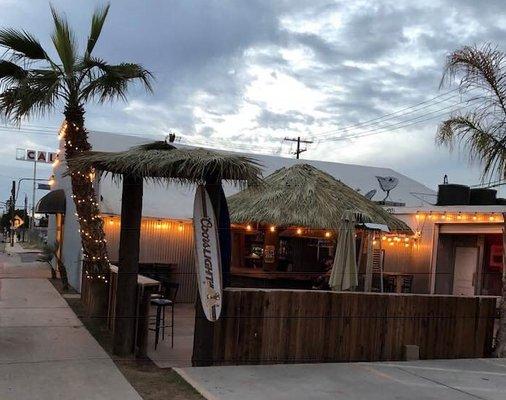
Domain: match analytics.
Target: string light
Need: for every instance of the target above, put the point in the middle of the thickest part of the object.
(248, 227)
(299, 231)
(272, 228)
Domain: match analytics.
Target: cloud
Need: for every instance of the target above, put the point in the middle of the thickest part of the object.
(245, 73)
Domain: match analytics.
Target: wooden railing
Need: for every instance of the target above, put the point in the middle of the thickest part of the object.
(267, 326)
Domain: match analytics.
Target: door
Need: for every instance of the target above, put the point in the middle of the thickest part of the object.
(466, 262)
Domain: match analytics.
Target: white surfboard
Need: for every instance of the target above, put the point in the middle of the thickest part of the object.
(207, 254)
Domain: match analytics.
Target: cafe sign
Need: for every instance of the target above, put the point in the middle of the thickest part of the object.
(207, 254)
(38, 156)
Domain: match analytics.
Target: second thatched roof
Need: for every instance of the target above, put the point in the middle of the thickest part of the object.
(161, 161)
(305, 196)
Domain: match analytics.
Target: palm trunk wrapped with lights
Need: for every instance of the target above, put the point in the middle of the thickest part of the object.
(93, 239)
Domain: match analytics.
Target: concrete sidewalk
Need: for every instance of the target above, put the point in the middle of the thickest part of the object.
(421, 380)
(45, 351)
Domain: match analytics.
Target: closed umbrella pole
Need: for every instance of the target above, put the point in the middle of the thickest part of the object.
(344, 270)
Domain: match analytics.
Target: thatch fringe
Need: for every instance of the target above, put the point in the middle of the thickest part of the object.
(305, 196)
(162, 162)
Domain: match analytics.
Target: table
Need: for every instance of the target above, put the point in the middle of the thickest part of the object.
(145, 287)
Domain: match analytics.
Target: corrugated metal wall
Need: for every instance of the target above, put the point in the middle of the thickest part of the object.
(162, 241)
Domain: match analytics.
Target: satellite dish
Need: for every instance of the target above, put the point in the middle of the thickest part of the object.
(370, 194)
(387, 183)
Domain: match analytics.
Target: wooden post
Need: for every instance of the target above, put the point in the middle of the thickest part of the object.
(368, 263)
(128, 268)
(203, 340)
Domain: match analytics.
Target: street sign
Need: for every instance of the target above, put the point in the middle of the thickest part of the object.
(47, 157)
(18, 221)
(207, 254)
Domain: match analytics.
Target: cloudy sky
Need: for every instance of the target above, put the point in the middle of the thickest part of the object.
(359, 78)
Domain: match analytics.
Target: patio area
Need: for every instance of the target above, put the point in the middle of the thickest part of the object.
(184, 324)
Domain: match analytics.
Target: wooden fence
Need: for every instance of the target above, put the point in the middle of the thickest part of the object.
(298, 326)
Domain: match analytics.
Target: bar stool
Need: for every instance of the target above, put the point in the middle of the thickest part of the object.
(162, 301)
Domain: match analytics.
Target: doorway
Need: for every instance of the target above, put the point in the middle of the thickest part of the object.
(464, 270)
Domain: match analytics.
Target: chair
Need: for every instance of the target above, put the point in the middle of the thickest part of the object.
(166, 298)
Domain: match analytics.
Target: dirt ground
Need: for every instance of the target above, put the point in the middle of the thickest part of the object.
(151, 382)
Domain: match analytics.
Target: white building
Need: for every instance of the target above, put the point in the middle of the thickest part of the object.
(167, 238)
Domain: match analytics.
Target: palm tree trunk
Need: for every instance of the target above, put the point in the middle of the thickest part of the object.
(95, 264)
(500, 343)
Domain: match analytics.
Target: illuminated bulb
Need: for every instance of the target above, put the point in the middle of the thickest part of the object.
(299, 231)
(475, 217)
(327, 234)
(406, 239)
(443, 216)
(491, 218)
(391, 243)
(374, 242)
(248, 227)
(383, 238)
(389, 239)
(406, 245)
(459, 217)
(417, 216)
(180, 228)
(272, 228)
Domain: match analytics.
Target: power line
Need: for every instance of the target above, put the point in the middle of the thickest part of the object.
(400, 124)
(396, 113)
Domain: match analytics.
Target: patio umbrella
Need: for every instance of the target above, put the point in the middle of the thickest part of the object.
(344, 270)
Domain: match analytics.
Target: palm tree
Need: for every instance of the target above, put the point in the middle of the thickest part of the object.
(481, 73)
(33, 83)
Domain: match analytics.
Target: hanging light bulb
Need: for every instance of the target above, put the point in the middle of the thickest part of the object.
(248, 227)
(299, 231)
(272, 228)
(327, 234)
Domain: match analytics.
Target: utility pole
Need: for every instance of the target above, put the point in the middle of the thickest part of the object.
(299, 141)
(25, 216)
(13, 211)
(33, 193)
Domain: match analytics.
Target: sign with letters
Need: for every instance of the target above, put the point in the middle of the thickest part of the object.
(207, 254)
(47, 157)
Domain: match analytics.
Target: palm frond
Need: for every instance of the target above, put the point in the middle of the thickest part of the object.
(64, 41)
(21, 44)
(481, 68)
(112, 81)
(479, 72)
(11, 73)
(97, 23)
(36, 94)
(481, 142)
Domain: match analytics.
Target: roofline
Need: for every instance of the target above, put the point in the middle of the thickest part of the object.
(452, 209)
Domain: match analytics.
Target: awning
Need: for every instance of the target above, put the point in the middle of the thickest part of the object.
(52, 203)
(376, 227)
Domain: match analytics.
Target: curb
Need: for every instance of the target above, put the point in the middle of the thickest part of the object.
(193, 383)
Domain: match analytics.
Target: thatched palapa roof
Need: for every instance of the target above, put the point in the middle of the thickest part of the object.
(160, 161)
(305, 196)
